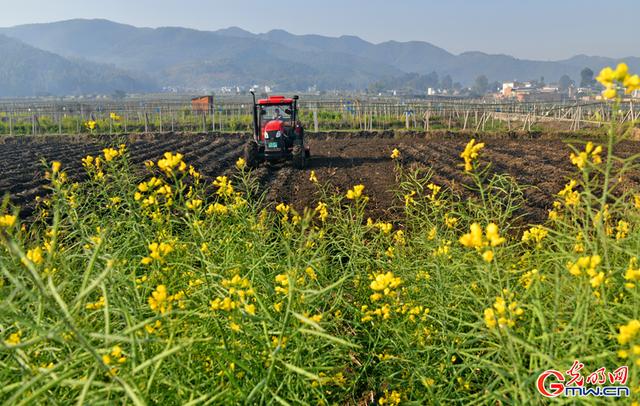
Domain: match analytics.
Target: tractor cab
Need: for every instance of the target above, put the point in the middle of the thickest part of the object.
(269, 113)
(277, 133)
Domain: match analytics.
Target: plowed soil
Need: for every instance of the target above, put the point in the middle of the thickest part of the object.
(343, 161)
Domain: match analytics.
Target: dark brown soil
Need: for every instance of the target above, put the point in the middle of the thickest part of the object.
(341, 159)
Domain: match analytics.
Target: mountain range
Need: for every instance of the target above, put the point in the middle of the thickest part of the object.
(89, 56)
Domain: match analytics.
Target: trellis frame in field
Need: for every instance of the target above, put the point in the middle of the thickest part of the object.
(233, 114)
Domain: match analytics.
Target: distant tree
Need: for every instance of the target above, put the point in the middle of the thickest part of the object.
(481, 85)
(495, 86)
(446, 83)
(432, 80)
(377, 87)
(565, 82)
(586, 78)
(457, 86)
(119, 94)
(541, 82)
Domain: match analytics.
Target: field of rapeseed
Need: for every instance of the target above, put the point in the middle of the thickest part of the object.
(156, 287)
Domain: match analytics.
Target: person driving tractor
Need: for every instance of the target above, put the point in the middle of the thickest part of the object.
(277, 115)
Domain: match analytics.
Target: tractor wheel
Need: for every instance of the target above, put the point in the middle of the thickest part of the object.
(299, 160)
(251, 154)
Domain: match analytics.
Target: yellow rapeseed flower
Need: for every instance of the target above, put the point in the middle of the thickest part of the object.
(14, 339)
(225, 188)
(250, 309)
(395, 154)
(110, 154)
(408, 198)
(390, 252)
(493, 236)
(55, 166)
(432, 233)
(217, 208)
(171, 161)
(241, 163)
(7, 221)
(435, 189)
(586, 264)
(277, 342)
(473, 239)
(622, 229)
(116, 352)
(283, 281)
(571, 197)
(490, 318)
(35, 256)
(535, 234)
(529, 277)
(442, 250)
(609, 93)
(488, 256)
(283, 208)
(384, 227)
(355, 193)
(628, 332)
(612, 80)
(503, 314)
(578, 247)
(194, 204)
(157, 252)
(390, 399)
(606, 77)
(227, 304)
(621, 72)
(96, 305)
(581, 159)
(450, 221)
(631, 83)
(383, 284)
(152, 328)
(193, 173)
(159, 300)
(471, 154)
(596, 280)
(311, 273)
(322, 211)
(632, 274)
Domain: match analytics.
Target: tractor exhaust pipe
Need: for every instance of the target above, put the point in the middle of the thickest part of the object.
(256, 125)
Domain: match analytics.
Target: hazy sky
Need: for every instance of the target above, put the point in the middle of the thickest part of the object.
(540, 29)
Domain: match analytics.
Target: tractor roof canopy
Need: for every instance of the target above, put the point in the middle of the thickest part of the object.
(275, 101)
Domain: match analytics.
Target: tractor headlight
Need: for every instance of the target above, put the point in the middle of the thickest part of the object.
(278, 134)
(266, 135)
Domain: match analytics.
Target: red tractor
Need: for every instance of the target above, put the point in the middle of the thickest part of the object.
(277, 133)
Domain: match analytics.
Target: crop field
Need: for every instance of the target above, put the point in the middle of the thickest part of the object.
(396, 268)
(343, 159)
